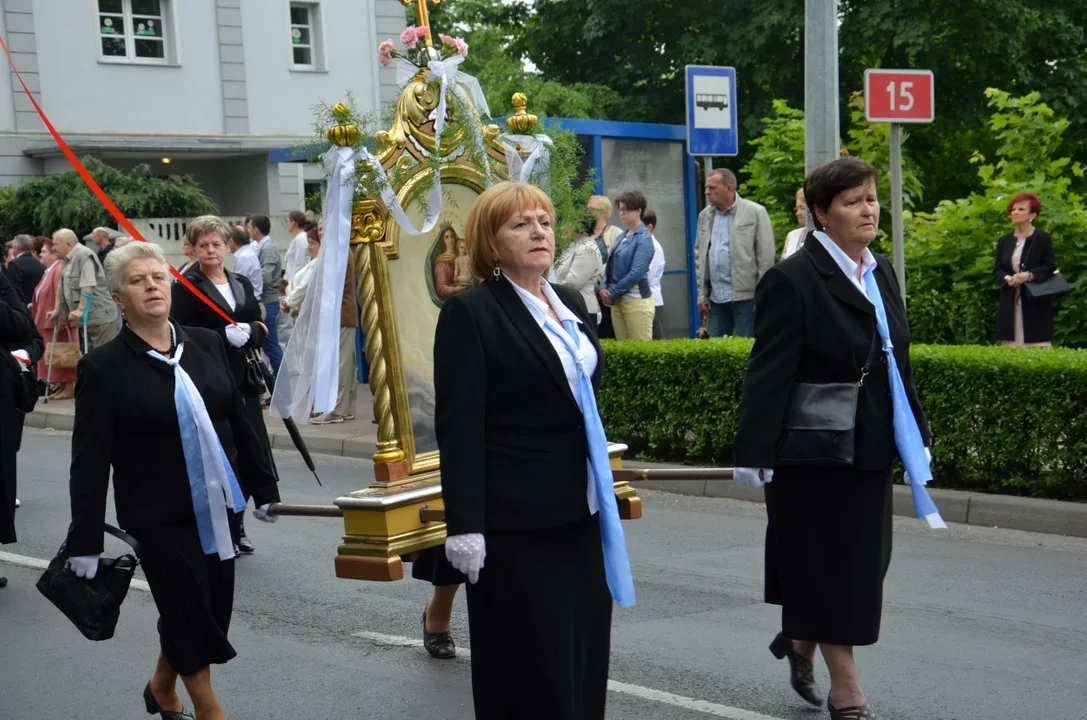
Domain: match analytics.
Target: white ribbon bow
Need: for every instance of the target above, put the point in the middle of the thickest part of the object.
(539, 156)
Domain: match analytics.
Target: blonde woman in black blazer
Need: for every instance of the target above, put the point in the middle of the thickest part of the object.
(1022, 256)
(515, 475)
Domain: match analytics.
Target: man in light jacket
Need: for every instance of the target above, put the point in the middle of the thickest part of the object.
(734, 249)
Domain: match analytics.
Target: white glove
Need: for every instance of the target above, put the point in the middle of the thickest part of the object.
(906, 475)
(85, 566)
(752, 477)
(24, 359)
(261, 513)
(466, 554)
(238, 335)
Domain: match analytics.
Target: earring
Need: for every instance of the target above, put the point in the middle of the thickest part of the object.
(496, 273)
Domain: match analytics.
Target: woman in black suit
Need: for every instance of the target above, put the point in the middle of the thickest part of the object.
(153, 404)
(1024, 255)
(516, 424)
(828, 540)
(233, 294)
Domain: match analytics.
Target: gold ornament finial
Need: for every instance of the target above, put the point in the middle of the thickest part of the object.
(343, 133)
(521, 121)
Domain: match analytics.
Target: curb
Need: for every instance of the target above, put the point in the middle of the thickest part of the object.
(1054, 517)
(360, 448)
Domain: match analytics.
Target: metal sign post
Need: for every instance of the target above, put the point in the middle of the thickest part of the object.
(896, 97)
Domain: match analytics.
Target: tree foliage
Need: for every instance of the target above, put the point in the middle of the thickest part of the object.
(776, 170)
(950, 253)
(43, 206)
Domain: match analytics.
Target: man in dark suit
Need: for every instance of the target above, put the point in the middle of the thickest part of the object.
(25, 271)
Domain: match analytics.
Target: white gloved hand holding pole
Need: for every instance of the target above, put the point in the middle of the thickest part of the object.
(238, 335)
(84, 566)
(752, 477)
(466, 553)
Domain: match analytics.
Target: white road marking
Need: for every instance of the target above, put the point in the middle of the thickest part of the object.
(39, 564)
(644, 693)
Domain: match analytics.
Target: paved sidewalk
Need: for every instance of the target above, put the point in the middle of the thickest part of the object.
(351, 438)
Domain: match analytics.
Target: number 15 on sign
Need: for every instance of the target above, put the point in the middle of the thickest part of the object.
(895, 97)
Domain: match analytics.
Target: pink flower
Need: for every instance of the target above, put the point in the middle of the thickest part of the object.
(409, 38)
(420, 32)
(385, 53)
(456, 43)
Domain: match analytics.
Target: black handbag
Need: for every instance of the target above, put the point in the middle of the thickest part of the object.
(820, 419)
(254, 376)
(93, 606)
(1051, 289)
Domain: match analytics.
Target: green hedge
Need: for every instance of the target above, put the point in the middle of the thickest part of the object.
(1007, 421)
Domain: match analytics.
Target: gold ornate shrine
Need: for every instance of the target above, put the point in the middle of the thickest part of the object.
(402, 281)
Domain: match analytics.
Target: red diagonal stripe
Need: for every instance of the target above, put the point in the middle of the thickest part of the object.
(99, 192)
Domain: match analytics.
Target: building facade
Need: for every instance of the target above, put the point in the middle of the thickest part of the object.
(201, 87)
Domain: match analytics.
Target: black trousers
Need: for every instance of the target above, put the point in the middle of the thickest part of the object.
(540, 624)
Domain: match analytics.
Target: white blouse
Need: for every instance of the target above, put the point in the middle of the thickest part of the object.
(586, 353)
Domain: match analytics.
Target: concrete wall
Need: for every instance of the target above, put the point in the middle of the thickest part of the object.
(389, 21)
(281, 98)
(84, 95)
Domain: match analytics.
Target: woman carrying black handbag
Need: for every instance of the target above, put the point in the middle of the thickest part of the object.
(824, 315)
(233, 293)
(1024, 257)
(158, 407)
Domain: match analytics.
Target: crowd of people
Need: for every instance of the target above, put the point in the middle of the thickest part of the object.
(186, 380)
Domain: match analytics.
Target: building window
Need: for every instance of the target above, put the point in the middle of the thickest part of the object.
(134, 30)
(305, 36)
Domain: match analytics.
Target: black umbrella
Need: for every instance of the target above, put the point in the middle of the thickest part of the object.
(292, 428)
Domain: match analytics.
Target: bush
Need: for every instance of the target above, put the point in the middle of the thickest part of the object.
(64, 200)
(950, 251)
(1003, 420)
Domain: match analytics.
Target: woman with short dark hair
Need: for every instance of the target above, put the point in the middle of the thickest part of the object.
(1022, 256)
(625, 287)
(830, 318)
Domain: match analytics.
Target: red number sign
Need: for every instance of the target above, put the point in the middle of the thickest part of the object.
(899, 96)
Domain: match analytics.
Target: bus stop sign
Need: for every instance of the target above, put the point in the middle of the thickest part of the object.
(711, 111)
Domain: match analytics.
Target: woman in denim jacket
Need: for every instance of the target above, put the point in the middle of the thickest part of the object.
(625, 288)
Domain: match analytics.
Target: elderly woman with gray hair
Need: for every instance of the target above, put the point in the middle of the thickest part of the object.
(161, 408)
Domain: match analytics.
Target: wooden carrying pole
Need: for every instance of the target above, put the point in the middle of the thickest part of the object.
(428, 514)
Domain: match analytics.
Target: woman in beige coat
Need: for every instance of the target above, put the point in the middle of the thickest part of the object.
(582, 268)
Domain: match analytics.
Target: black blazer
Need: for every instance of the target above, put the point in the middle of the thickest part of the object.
(1038, 259)
(125, 417)
(813, 325)
(189, 310)
(511, 436)
(25, 272)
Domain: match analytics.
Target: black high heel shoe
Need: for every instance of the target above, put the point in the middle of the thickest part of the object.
(439, 645)
(801, 673)
(857, 712)
(153, 707)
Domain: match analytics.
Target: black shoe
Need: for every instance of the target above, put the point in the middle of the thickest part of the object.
(802, 677)
(3, 582)
(857, 712)
(243, 542)
(439, 645)
(153, 707)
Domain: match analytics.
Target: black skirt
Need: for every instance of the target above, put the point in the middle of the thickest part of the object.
(540, 625)
(433, 567)
(194, 594)
(828, 547)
